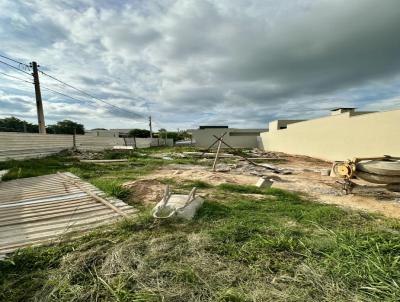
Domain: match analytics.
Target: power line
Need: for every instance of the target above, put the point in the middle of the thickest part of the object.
(15, 61)
(60, 93)
(16, 68)
(62, 82)
(17, 78)
(88, 94)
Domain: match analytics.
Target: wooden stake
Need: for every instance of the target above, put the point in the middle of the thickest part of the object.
(98, 198)
(216, 155)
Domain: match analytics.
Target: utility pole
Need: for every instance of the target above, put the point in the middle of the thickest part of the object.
(151, 129)
(39, 104)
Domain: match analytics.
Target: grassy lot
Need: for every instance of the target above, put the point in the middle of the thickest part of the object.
(245, 244)
(108, 177)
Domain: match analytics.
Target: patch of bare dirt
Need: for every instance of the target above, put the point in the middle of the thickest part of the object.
(203, 174)
(147, 191)
(306, 178)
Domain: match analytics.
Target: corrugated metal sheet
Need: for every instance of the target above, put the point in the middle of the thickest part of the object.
(42, 209)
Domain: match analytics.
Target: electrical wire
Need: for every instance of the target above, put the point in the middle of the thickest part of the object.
(65, 95)
(16, 68)
(52, 90)
(90, 95)
(66, 84)
(15, 61)
(17, 78)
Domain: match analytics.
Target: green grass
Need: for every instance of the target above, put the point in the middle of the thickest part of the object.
(276, 246)
(113, 188)
(108, 177)
(240, 189)
(196, 183)
(236, 249)
(36, 167)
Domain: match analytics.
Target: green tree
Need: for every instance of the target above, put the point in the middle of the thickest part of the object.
(13, 124)
(66, 127)
(139, 133)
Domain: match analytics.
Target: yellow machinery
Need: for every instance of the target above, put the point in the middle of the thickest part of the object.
(381, 170)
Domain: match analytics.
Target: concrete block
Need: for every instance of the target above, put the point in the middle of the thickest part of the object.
(2, 173)
(325, 172)
(264, 183)
(222, 168)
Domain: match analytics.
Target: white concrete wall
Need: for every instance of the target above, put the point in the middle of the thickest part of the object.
(203, 138)
(339, 137)
(26, 145)
(97, 143)
(14, 145)
(106, 133)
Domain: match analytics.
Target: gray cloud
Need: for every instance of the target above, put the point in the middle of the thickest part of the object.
(188, 62)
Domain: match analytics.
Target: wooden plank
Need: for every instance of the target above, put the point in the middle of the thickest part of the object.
(101, 161)
(102, 200)
(216, 155)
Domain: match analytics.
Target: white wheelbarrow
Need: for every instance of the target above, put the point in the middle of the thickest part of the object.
(177, 205)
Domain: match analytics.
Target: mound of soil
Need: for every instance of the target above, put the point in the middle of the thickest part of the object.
(145, 191)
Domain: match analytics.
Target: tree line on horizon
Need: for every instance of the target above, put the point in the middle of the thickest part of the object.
(144, 133)
(13, 124)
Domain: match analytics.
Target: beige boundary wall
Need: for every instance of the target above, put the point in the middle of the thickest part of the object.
(237, 138)
(339, 137)
(15, 145)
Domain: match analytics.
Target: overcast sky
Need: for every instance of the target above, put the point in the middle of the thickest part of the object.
(240, 63)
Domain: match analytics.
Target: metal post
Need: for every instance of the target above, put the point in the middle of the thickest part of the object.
(39, 104)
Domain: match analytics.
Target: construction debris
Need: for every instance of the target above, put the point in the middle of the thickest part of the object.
(209, 154)
(102, 161)
(223, 168)
(178, 205)
(129, 148)
(261, 169)
(325, 172)
(171, 155)
(378, 170)
(264, 183)
(41, 209)
(2, 173)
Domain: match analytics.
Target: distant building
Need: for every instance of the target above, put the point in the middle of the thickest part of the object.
(237, 138)
(108, 133)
